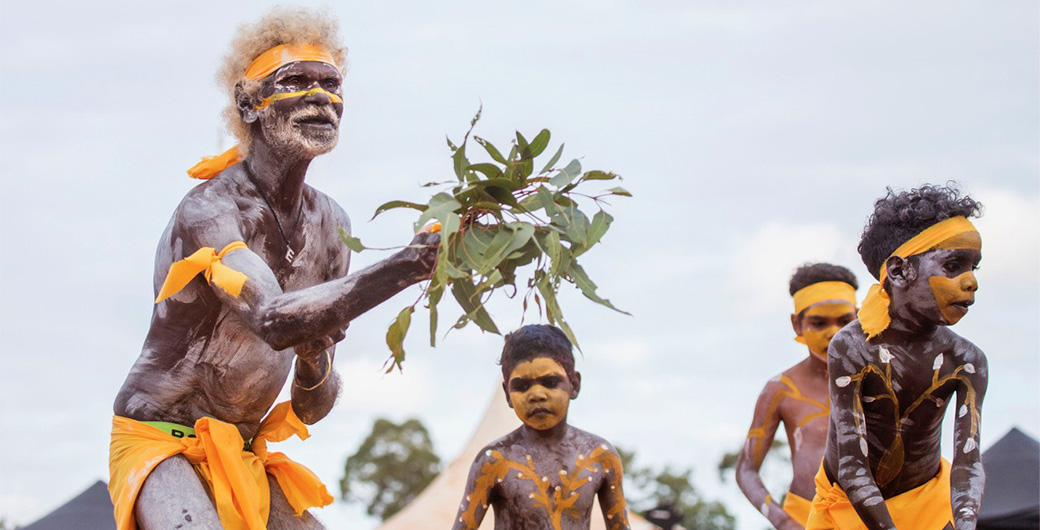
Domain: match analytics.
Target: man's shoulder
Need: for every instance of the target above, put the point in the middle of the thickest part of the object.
(588, 442)
(962, 349)
(216, 197)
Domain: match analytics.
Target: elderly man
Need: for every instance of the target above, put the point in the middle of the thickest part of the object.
(253, 279)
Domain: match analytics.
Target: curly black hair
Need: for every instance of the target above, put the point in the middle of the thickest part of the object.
(533, 341)
(811, 273)
(899, 216)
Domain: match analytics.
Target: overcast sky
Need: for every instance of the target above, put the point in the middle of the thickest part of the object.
(754, 135)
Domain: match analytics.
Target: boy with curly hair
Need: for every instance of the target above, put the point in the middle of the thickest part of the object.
(546, 473)
(895, 370)
(824, 302)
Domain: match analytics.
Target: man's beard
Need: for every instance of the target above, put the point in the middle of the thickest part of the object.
(288, 134)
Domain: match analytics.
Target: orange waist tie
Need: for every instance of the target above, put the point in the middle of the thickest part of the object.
(236, 478)
(926, 507)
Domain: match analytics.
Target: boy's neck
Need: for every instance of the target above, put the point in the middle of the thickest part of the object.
(816, 365)
(555, 434)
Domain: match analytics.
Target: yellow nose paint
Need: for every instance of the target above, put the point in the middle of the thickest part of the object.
(287, 95)
(949, 291)
(818, 340)
(539, 405)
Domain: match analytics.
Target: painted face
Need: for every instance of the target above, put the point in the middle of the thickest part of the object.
(821, 321)
(951, 281)
(308, 124)
(540, 392)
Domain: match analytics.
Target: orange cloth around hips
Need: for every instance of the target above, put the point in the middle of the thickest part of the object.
(797, 507)
(926, 507)
(237, 478)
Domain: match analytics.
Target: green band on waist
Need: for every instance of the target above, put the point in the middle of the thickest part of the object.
(173, 429)
(183, 431)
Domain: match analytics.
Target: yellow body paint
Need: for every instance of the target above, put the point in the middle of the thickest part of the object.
(818, 340)
(556, 501)
(303, 93)
(949, 291)
(539, 404)
(892, 459)
(792, 391)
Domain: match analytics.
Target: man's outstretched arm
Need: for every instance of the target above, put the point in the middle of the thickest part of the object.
(967, 477)
(477, 498)
(759, 439)
(611, 494)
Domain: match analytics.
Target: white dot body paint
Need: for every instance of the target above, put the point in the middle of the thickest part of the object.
(487, 453)
(969, 445)
(798, 438)
(970, 368)
(863, 446)
(939, 402)
(843, 381)
(764, 508)
(869, 399)
(938, 362)
(884, 354)
(963, 410)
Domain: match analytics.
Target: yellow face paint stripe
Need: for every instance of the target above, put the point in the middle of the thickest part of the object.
(302, 93)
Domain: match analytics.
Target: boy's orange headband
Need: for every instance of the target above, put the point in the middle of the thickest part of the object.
(264, 65)
(283, 54)
(823, 291)
(873, 316)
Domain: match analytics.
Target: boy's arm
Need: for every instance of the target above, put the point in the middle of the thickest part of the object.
(967, 477)
(479, 489)
(759, 440)
(611, 496)
(846, 359)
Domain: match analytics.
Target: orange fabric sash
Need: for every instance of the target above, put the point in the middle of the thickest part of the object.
(873, 315)
(926, 507)
(797, 507)
(207, 261)
(237, 479)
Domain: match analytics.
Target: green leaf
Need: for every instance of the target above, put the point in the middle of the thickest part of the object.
(553, 313)
(514, 236)
(490, 171)
(597, 228)
(460, 163)
(491, 150)
(581, 279)
(395, 337)
(567, 174)
(599, 175)
(548, 201)
(466, 295)
(619, 191)
(538, 144)
(398, 204)
(440, 206)
(522, 144)
(352, 243)
(552, 161)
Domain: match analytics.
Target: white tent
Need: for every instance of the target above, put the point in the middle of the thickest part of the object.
(438, 504)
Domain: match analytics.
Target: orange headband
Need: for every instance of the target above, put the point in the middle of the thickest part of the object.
(283, 54)
(821, 291)
(873, 316)
(264, 65)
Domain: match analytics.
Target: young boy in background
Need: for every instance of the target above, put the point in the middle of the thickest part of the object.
(896, 369)
(824, 302)
(546, 473)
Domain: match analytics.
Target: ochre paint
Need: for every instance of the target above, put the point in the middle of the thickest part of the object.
(948, 291)
(819, 339)
(538, 406)
(792, 391)
(555, 500)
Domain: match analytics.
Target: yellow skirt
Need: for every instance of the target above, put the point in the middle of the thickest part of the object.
(926, 507)
(237, 478)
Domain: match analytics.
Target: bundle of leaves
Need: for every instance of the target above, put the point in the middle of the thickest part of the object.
(499, 217)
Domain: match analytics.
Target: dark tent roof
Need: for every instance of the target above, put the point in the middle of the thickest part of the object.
(90, 510)
(1012, 496)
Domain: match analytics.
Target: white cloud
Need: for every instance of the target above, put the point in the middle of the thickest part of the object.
(762, 266)
(1010, 227)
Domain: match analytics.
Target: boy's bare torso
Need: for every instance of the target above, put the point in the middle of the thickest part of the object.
(901, 391)
(543, 486)
(804, 409)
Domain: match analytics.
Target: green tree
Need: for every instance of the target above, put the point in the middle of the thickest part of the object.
(393, 464)
(672, 490)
